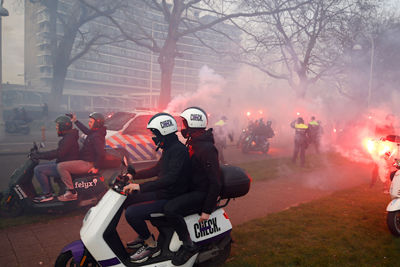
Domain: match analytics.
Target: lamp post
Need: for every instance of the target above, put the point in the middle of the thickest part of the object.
(371, 69)
(3, 13)
(371, 66)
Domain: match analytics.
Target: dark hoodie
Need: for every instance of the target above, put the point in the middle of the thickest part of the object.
(93, 146)
(205, 169)
(68, 148)
(172, 170)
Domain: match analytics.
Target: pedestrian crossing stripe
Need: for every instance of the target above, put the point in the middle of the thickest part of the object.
(139, 147)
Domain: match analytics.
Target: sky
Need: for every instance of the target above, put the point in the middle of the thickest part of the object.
(13, 43)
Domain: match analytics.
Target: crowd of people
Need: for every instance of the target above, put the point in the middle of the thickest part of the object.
(188, 176)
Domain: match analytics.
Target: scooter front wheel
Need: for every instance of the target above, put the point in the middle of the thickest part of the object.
(66, 259)
(393, 222)
(11, 206)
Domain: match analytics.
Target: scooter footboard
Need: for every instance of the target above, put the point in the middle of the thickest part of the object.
(393, 205)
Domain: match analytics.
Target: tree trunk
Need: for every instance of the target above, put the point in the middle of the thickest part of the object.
(302, 86)
(167, 64)
(60, 68)
(166, 82)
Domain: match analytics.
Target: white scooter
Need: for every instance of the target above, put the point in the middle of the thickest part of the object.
(393, 209)
(100, 244)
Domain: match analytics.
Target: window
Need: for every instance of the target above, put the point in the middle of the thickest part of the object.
(139, 125)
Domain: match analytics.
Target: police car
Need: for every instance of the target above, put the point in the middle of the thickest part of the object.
(128, 130)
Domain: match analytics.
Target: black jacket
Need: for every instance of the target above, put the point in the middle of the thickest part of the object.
(172, 170)
(206, 176)
(93, 146)
(67, 149)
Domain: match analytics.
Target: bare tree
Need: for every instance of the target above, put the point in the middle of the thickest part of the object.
(182, 20)
(73, 41)
(301, 46)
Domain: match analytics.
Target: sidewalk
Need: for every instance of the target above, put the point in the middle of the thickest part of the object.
(39, 244)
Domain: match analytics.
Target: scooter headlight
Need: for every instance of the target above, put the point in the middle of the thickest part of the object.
(87, 214)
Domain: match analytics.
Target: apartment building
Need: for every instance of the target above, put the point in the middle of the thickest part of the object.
(118, 75)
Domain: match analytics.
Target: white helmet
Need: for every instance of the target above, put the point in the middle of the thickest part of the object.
(164, 123)
(195, 117)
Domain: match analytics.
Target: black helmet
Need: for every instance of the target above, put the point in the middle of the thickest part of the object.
(98, 119)
(64, 123)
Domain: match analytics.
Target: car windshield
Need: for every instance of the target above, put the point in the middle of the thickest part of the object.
(117, 120)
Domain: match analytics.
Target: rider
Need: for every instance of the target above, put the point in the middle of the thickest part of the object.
(205, 184)
(269, 131)
(172, 170)
(68, 149)
(90, 156)
(221, 133)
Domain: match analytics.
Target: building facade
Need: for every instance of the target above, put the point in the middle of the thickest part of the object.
(117, 75)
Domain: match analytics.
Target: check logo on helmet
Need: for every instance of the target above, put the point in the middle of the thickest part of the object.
(167, 123)
(196, 117)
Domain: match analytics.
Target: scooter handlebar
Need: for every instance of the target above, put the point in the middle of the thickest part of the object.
(120, 182)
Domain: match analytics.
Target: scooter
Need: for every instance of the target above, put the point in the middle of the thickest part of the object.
(18, 197)
(100, 244)
(252, 143)
(17, 126)
(393, 209)
(242, 137)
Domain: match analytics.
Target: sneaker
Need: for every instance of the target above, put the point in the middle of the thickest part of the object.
(184, 254)
(68, 196)
(137, 243)
(144, 253)
(43, 198)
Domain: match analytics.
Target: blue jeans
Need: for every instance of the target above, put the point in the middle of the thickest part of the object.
(43, 172)
(142, 205)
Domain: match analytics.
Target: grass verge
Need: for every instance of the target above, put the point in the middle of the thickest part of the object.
(347, 228)
(267, 169)
(272, 168)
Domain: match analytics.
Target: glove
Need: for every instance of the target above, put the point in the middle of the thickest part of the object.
(131, 170)
(34, 156)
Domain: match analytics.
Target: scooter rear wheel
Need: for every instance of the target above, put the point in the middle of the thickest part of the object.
(393, 222)
(219, 259)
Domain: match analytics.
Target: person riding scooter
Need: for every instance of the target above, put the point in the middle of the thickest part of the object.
(68, 149)
(205, 184)
(91, 154)
(173, 172)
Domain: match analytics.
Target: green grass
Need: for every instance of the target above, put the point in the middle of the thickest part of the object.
(273, 168)
(347, 228)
